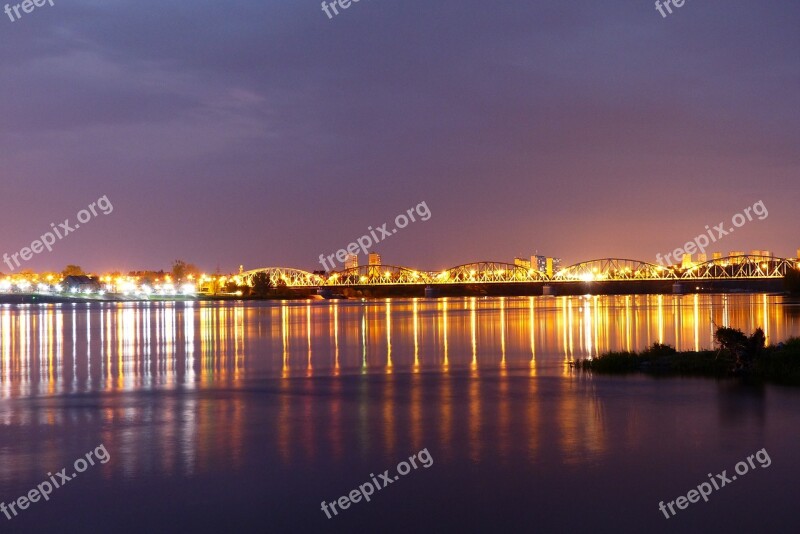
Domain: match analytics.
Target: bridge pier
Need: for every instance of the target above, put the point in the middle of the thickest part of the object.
(548, 290)
(325, 292)
(677, 288)
(431, 292)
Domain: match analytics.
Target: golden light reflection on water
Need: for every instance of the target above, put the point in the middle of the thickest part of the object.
(485, 404)
(51, 349)
(478, 348)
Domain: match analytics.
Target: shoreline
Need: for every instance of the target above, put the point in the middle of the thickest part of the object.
(37, 298)
(774, 364)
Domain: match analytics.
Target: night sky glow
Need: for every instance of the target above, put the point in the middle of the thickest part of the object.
(265, 133)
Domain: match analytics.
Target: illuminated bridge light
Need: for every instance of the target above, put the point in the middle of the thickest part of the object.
(492, 272)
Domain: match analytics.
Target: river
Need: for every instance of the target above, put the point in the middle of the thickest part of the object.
(244, 417)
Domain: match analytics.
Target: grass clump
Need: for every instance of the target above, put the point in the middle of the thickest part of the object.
(737, 355)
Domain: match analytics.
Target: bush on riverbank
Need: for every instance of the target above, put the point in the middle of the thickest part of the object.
(658, 359)
(781, 364)
(737, 356)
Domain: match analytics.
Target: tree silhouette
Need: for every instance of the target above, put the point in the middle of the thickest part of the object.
(261, 284)
(745, 350)
(72, 270)
(181, 269)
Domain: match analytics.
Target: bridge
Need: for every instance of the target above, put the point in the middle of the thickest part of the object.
(282, 277)
(746, 267)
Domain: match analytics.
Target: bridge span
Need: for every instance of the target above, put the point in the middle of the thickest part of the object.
(493, 277)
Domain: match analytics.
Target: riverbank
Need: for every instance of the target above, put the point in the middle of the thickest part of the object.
(779, 364)
(43, 298)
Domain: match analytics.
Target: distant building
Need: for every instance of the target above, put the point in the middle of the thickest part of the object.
(522, 262)
(765, 253)
(81, 284)
(545, 264)
(716, 255)
(549, 265)
(702, 257)
(736, 256)
(687, 261)
(351, 261)
(374, 258)
(798, 253)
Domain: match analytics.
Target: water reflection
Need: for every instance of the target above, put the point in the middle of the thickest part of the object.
(67, 348)
(457, 369)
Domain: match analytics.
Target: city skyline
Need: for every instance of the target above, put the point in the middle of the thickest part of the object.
(354, 261)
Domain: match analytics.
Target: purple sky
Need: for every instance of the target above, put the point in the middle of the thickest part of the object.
(261, 133)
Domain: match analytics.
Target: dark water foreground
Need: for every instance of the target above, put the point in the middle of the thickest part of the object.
(244, 418)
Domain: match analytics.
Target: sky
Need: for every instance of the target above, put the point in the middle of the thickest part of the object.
(264, 133)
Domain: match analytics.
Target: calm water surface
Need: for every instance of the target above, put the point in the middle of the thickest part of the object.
(243, 417)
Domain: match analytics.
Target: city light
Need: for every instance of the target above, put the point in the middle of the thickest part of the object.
(188, 289)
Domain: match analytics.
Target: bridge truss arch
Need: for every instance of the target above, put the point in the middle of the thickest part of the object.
(283, 276)
(488, 272)
(377, 275)
(614, 269)
(740, 267)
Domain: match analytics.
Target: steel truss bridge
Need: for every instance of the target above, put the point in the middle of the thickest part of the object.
(746, 267)
(282, 277)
